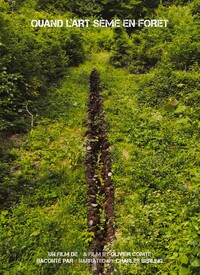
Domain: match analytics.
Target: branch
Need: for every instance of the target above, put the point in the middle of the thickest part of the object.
(29, 114)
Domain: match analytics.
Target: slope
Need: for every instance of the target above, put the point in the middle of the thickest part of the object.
(154, 165)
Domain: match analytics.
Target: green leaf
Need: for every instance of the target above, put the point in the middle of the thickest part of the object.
(180, 109)
(184, 271)
(35, 233)
(184, 259)
(195, 263)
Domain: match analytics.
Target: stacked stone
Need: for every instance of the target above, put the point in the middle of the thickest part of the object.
(98, 174)
(93, 176)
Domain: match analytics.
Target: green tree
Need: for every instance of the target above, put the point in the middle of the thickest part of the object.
(121, 48)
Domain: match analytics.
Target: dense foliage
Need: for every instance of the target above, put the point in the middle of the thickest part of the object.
(176, 46)
(151, 89)
(32, 59)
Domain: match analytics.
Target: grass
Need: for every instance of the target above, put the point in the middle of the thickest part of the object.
(153, 174)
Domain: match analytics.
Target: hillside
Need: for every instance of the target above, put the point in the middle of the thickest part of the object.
(150, 88)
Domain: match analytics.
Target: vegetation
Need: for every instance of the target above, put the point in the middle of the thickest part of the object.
(151, 94)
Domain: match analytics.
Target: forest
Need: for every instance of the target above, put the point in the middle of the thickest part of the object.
(149, 81)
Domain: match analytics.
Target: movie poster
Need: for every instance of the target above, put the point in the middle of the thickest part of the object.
(99, 127)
